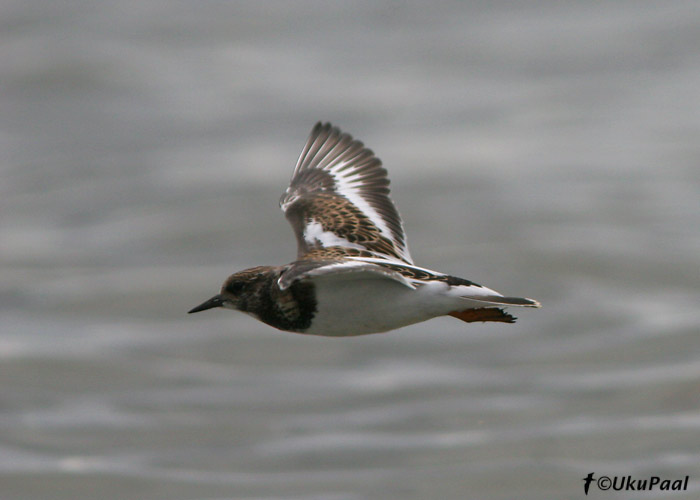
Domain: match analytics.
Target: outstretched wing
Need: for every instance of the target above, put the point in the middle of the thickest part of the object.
(305, 269)
(339, 196)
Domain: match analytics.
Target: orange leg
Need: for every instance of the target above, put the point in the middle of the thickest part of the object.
(483, 314)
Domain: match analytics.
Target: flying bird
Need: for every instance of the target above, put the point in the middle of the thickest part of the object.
(353, 274)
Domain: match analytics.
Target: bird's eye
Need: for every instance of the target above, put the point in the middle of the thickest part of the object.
(235, 288)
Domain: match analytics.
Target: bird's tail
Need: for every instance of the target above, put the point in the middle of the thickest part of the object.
(504, 301)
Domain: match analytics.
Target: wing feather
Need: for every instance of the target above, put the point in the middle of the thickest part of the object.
(310, 268)
(339, 196)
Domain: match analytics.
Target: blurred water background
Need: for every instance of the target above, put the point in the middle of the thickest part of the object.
(545, 149)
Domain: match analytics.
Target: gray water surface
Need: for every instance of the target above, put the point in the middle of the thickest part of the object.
(544, 149)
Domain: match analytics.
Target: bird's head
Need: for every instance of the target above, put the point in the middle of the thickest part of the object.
(239, 290)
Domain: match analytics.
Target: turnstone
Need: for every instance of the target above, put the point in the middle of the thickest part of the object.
(354, 274)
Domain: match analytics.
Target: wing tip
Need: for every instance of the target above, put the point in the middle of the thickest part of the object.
(506, 301)
(534, 303)
(522, 301)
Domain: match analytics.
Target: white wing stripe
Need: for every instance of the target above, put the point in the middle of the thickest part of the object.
(314, 234)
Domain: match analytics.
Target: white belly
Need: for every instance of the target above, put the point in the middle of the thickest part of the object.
(357, 304)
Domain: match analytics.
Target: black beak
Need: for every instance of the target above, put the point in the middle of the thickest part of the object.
(215, 301)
